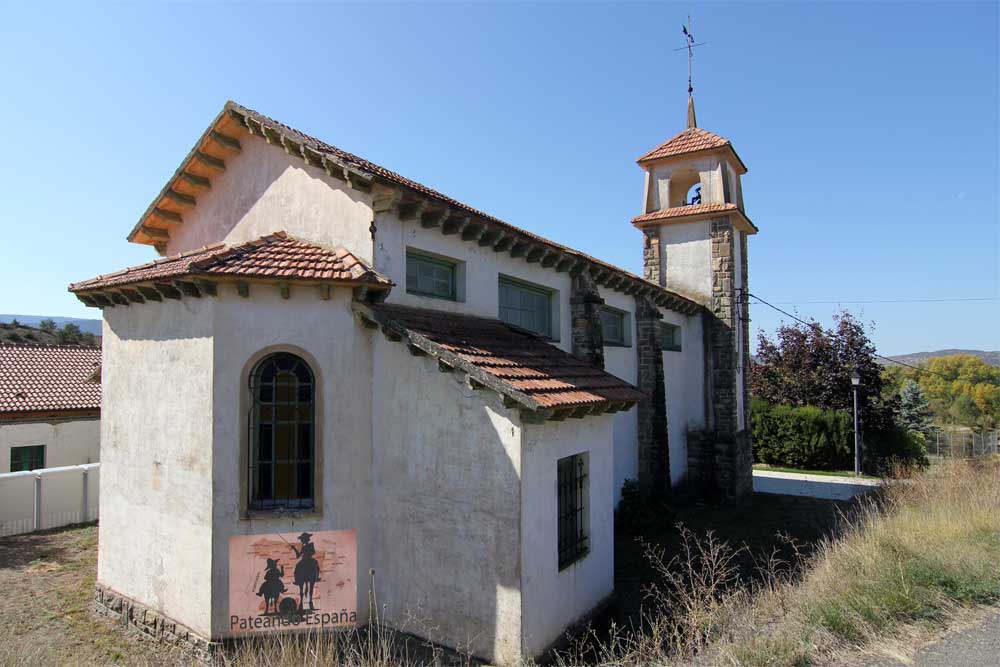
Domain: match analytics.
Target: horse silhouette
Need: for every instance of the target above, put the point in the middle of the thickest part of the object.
(272, 587)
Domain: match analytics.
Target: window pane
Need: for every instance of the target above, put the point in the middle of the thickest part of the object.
(613, 326)
(27, 458)
(430, 277)
(526, 307)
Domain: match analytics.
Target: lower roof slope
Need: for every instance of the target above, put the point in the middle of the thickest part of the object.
(48, 378)
(528, 371)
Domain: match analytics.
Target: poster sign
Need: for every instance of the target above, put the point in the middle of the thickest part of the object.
(292, 581)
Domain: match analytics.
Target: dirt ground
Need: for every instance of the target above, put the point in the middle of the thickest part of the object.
(47, 579)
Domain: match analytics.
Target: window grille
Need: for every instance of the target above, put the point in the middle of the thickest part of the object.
(572, 507)
(428, 276)
(282, 451)
(526, 306)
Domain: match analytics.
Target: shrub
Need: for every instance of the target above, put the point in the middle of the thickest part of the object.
(802, 437)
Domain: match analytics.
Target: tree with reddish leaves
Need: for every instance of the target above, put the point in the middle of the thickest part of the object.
(806, 364)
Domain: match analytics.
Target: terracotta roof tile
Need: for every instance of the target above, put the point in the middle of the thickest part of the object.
(513, 361)
(680, 211)
(44, 378)
(275, 256)
(689, 141)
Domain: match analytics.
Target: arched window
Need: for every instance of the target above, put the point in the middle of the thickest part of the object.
(685, 187)
(282, 448)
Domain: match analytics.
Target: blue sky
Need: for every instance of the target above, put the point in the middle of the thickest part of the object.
(870, 131)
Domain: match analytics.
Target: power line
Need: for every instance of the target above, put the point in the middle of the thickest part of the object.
(846, 301)
(815, 323)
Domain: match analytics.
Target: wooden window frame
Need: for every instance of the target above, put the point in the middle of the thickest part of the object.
(452, 266)
(625, 323)
(551, 319)
(35, 448)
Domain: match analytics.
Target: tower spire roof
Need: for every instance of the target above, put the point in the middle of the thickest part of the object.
(691, 121)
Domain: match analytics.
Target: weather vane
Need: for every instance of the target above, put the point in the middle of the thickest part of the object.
(690, 44)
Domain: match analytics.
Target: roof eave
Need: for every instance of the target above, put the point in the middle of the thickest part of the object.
(727, 148)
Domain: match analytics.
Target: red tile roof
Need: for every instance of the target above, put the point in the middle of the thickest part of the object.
(277, 256)
(516, 363)
(689, 141)
(680, 211)
(47, 378)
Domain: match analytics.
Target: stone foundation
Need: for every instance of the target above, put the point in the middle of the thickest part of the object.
(585, 309)
(654, 446)
(153, 624)
(720, 467)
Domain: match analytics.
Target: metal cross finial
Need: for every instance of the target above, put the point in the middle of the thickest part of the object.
(690, 44)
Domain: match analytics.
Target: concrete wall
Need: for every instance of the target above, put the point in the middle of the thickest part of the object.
(264, 190)
(686, 258)
(482, 269)
(447, 506)
(684, 373)
(338, 350)
(68, 441)
(156, 451)
(552, 599)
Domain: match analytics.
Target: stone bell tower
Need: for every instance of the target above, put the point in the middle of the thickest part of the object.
(695, 234)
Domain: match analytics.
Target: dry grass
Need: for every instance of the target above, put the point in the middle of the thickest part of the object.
(908, 563)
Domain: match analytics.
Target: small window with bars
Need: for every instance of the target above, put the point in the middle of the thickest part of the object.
(572, 509)
(526, 306)
(615, 327)
(670, 337)
(431, 276)
(282, 451)
(27, 458)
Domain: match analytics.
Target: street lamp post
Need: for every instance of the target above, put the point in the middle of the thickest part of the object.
(855, 383)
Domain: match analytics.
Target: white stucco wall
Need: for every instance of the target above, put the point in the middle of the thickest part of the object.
(447, 506)
(338, 350)
(684, 374)
(69, 441)
(483, 267)
(623, 362)
(552, 599)
(686, 258)
(156, 451)
(265, 190)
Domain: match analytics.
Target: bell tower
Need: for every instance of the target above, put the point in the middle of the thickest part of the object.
(695, 233)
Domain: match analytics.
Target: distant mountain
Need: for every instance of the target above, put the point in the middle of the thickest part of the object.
(89, 326)
(992, 358)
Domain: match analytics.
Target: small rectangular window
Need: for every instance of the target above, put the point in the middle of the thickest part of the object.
(526, 306)
(572, 509)
(27, 458)
(430, 276)
(615, 327)
(670, 337)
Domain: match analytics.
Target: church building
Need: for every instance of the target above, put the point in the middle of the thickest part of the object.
(328, 348)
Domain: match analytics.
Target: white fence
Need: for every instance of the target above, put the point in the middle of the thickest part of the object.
(48, 498)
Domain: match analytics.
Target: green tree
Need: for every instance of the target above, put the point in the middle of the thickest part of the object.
(70, 334)
(914, 409)
(48, 326)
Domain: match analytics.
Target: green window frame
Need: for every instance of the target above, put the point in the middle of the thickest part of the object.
(670, 337)
(615, 327)
(526, 306)
(431, 276)
(31, 457)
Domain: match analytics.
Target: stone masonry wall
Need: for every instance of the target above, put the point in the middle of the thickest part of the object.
(651, 256)
(585, 309)
(654, 446)
(153, 624)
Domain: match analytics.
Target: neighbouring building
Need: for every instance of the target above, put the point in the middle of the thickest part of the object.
(50, 406)
(326, 345)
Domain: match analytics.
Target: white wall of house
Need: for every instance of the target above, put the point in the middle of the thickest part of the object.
(265, 190)
(338, 350)
(741, 364)
(67, 440)
(551, 599)
(156, 450)
(684, 374)
(623, 362)
(447, 505)
(482, 268)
